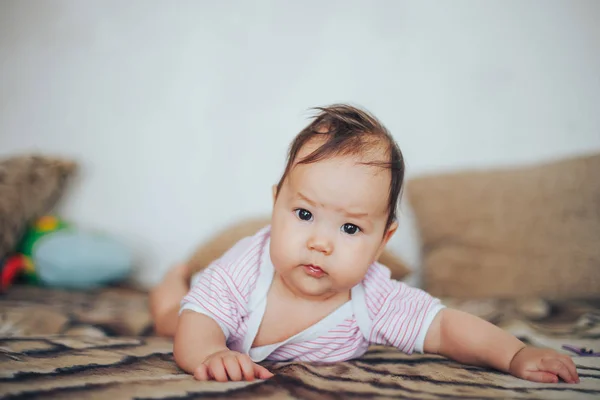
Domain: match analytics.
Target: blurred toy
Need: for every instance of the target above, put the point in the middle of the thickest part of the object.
(42, 227)
(15, 266)
(581, 351)
(20, 265)
(55, 254)
(45, 225)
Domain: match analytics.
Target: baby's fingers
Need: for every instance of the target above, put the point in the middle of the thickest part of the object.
(216, 370)
(568, 362)
(247, 367)
(201, 373)
(233, 368)
(261, 372)
(556, 367)
(540, 376)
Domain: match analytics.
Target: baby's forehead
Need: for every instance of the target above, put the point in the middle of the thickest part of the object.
(367, 149)
(349, 179)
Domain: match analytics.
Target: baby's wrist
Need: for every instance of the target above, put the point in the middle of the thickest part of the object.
(514, 356)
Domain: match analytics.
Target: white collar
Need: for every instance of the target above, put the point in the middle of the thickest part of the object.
(258, 302)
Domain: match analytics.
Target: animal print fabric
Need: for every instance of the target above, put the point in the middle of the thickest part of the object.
(99, 345)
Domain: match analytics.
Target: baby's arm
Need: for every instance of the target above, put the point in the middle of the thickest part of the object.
(472, 340)
(210, 315)
(199, 349)
(197, 337)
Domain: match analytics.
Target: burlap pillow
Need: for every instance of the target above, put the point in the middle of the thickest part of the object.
(222, 241)
(30, 185)
(530, 231)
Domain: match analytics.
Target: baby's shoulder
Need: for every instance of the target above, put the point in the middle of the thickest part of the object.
(380, 287)
(378, 283)
(378, 278)
(243, 259)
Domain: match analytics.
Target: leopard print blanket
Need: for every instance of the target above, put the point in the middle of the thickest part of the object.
(99, 344)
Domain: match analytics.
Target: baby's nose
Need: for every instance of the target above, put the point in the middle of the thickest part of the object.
(321, 244)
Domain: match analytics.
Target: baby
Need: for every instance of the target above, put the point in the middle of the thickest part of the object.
(308, 288)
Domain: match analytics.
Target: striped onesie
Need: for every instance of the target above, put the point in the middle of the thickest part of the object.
(233, 291)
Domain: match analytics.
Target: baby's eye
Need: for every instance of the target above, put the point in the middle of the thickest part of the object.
(303, 214)
(350, 229)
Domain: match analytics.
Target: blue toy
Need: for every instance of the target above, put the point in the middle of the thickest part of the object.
(55, 254)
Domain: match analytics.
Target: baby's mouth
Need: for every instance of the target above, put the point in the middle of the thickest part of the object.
(314, 271)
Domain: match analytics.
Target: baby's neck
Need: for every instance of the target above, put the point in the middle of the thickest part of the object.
(287, 291)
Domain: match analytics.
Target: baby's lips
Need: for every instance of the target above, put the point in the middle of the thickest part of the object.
(314, 271)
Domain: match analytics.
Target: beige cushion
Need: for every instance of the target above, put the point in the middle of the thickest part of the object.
(222, 241)
(529, 231)
(30, 185)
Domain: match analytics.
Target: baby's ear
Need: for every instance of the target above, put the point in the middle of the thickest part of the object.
(390, 231)
(274, 194)
(386, 237)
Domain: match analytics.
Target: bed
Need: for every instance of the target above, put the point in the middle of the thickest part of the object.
(100, 344)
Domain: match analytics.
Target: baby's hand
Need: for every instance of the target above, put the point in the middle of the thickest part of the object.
(230, 365)
(543, 365)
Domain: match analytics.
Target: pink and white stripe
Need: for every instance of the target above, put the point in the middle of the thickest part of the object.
(399, 315)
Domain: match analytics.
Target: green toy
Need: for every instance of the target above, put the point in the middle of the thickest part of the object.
(43, 226)
(20, 265)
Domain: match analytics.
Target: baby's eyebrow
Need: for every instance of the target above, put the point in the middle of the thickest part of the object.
(306, 199)
(356, 215)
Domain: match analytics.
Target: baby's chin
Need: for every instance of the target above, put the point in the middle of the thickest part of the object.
(316, 287)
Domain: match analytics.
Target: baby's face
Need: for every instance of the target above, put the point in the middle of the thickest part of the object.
(329, 224)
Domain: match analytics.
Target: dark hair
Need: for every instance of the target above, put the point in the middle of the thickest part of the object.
(347, 130)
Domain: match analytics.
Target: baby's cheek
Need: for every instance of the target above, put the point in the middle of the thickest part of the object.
(357, 266)
(276, 254)
(282, 254)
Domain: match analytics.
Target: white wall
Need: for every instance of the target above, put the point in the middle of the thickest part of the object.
(181, 115)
